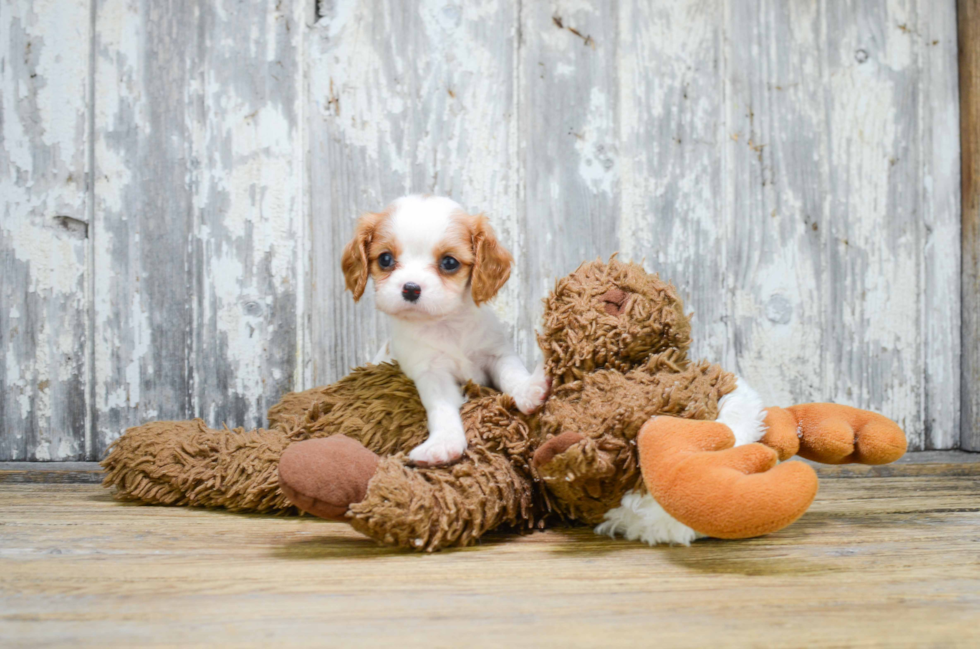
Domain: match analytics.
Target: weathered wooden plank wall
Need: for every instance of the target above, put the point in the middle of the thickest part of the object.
(569, 142)
(968, 18)
(44, 163)
(198, 203)
(793, 167)
(198, 208)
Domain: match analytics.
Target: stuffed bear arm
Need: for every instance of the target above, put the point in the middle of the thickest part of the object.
(588, 460)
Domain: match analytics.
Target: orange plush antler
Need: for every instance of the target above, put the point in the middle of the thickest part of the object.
(691, 469)
(834, 434)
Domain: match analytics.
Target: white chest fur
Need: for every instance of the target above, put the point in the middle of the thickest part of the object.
(458, 345)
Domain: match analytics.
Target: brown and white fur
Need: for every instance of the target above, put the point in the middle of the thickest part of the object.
(441, 335)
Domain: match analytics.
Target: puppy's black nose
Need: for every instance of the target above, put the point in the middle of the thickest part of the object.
(411, 291)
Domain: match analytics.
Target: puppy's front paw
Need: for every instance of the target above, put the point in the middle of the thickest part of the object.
(531, 395)
(438, 450)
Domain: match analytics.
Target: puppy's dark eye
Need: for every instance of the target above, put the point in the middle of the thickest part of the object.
(449, 264)
(386, 260)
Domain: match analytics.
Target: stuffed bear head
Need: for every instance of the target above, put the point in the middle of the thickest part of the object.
(610, 316)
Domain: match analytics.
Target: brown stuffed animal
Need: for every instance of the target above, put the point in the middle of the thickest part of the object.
(678, 421)
(369, 420)
(615, 342)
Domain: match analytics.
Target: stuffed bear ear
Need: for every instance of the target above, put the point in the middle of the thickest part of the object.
(491, 261)
(614, 301)
(354, 262)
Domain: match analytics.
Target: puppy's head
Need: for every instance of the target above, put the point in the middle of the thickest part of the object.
(427, 256)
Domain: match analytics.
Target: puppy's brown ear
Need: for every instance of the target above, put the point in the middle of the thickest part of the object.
(491, 265)
(354, 262)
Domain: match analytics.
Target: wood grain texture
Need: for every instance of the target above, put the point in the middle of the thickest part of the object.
(798, 177)
(570, 143)
(921, 463)
(871, 564)
(199, 238)
(44, 163)
(969, 76)
(51, 473)
(672, 107)
(938, 144)
(792, 167)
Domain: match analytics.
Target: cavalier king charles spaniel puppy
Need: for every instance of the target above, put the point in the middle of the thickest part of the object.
(434, 267)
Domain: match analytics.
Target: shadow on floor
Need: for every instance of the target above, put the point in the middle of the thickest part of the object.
(335, 547)
(347, 544)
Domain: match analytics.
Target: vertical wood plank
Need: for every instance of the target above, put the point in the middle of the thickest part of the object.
(968, 19)
(939, 148)
(249, 245)
(143, 222)
(671, 108)
(44, 75)
(882, 242)
(570, 140)
(834, 242)
(199, 232)
(404, 97)
(792, 167)
(774, 195)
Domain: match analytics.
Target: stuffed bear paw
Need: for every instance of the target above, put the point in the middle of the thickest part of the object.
(326, 475)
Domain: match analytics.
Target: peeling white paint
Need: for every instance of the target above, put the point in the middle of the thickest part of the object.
(596, 145)
(793, 170)
(43, 451)
(231, 142)
(815, 206)
(43, 164)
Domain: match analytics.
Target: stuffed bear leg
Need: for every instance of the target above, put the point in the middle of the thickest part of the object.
(187, 463)
(834, 434)
(395, 504)
(692, 470)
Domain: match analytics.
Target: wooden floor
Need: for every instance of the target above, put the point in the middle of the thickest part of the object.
(876, 562)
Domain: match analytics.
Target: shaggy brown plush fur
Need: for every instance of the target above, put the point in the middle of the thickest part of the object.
(615, 341)
(610, 316)
(187, 463)
(591, 476)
